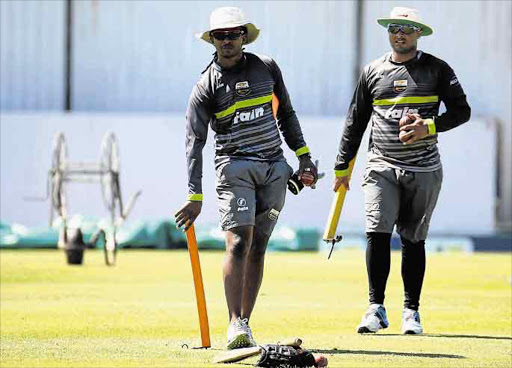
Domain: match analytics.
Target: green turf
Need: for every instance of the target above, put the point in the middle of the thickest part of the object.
(141, 312)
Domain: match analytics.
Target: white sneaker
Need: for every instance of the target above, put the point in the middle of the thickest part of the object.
(374, 319)
(411, 323)
(251, 339)
(240, 335)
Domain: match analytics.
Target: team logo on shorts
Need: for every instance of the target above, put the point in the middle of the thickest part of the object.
(400, 85)
(242, 204)
(242, 88)
(273, 214)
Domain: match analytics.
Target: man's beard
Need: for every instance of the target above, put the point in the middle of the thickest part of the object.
(230, 53)
(402, 50)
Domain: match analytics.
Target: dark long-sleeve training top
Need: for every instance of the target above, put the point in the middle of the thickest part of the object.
(237, 104)
(385, 92)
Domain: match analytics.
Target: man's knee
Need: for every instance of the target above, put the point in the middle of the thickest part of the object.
(409, 244)
(378, 239)
(259, 245)
(238, 241)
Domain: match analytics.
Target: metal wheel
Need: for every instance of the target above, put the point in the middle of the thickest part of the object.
(56, 177)
(109, 166)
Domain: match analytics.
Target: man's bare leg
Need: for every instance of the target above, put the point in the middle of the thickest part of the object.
(238, 241)
(253, 272)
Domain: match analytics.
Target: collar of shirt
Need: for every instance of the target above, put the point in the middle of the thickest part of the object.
(408, 62)
(240, 65)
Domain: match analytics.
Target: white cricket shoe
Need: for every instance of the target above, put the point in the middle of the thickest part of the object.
(240, 335)
(374, 319)
(411, 323)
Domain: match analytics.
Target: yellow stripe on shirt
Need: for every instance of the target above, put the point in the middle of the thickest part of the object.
(406, 100)
(241, 104)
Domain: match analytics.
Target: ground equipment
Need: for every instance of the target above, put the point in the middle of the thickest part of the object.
(106, 172)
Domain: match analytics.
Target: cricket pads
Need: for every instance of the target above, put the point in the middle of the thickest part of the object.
(281, 356)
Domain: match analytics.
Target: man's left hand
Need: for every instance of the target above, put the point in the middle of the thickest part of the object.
(307, 166)
(412, 132)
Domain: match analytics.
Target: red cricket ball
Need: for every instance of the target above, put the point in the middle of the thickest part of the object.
(320, 361)
(406, 120)
(307, 178)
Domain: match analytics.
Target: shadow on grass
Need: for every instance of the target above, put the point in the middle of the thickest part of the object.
(373, 352)
(452, 336)
(470, 337)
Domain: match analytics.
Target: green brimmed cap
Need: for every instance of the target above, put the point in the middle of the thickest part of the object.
(402, 15)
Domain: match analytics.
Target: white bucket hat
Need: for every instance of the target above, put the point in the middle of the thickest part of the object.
(229, 17)
(402, 15)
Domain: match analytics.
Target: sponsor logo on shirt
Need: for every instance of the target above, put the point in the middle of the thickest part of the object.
(454, 81)
(400, 85)
(242, 204)
(399, 113)
(248, 115)
(242, 88)
(273, 214)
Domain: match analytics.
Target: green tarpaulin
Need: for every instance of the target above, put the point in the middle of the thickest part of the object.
(160, 234)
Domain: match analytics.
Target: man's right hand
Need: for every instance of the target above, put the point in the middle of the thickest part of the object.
(187, 214)
(339, 181)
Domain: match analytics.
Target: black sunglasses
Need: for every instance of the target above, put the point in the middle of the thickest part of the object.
(405, 28)
(227, 35)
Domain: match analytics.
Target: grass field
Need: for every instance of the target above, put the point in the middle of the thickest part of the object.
(141, 312)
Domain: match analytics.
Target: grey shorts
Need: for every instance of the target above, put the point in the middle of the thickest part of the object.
(251, 193)
(403, 198)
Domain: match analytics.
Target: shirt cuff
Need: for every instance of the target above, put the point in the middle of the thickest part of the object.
(431, 126)
(302, 151)
(195, 197)
(340, 173)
